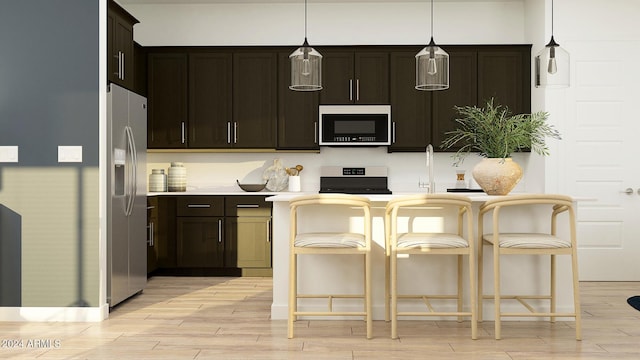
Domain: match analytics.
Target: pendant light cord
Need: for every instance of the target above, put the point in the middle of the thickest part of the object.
(305, 20)
(431, 19)
(551, 18)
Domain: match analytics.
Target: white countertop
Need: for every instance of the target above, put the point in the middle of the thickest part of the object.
(474, 196)
(286, 196)
(215, 190)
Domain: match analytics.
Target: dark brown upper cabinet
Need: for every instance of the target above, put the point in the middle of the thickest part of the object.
(238, 97)
(254, 99)
(462, 92)
(504, 72)
(210, 101)
(120, 48)
(476, 73)
(354, 77)
(410, 108)
(167, 118)
(297, 112)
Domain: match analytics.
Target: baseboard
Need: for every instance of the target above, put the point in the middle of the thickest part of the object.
(259, 272)
(54, 314)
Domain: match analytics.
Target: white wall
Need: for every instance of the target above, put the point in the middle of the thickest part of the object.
(361, 23)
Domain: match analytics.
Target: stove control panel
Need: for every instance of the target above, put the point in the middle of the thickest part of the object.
(353, 171)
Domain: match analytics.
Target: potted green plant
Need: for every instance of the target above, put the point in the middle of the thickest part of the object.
(494, 133)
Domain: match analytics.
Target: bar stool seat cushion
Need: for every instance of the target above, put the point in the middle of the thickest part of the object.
(529, 241)
(431, 241)
(330, 240)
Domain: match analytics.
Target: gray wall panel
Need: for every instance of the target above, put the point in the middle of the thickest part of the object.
(49, 96)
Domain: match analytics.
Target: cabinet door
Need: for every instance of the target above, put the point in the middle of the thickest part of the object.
(210, 80)
(120, 46)
(462, 92)
(252, 230)
(297, 111)
(152, 228)
(123, 43)
(165, 232)
(254, 99)
(167, 116)
(338, 80)
(371, 78)
(505, 74)
(410, 108)
(200, 242)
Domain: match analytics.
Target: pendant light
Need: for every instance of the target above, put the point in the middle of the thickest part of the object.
(306, 65)
(432, 65)
(552, 64)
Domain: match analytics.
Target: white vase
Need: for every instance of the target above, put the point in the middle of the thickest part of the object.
(497, 176)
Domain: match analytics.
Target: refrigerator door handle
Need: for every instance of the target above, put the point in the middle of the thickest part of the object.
(132, 188)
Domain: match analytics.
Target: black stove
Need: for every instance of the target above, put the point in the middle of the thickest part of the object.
(354, 180)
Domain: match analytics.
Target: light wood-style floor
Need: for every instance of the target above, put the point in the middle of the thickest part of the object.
(228, 318)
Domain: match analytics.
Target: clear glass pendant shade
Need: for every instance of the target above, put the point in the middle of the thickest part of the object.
(552, 66)
(432, 68)
(306, 69)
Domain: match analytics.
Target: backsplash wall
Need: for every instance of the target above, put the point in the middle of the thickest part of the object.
(220, 170)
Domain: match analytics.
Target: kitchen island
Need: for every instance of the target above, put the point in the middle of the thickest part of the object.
(323, 274)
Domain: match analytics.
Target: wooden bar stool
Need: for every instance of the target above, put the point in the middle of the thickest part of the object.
(328, 243)
(460, 243)
(528, 243)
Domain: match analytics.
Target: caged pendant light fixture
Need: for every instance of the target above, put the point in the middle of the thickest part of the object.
(552, 64)
(432, 65)
(306, 65)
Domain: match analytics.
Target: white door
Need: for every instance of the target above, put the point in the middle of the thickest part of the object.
(601, 156)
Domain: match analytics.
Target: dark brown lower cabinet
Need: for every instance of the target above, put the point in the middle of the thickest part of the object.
(209, 235)
(200, 242)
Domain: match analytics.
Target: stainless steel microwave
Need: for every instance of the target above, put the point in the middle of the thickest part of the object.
(350, 125)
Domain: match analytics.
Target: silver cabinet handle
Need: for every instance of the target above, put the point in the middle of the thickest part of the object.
(219, 230)
(247, 206)
(394, 131)
(199, 206)
(315, 132)
(120, 65)
(235, 132)
(357, 89)
(269, 230)
(183, 137)
(629, 191)
(151, 240)
(228, 132)
(350, 89)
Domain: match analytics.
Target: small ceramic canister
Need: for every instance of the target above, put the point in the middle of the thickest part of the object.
(157, 181)
(177, 177)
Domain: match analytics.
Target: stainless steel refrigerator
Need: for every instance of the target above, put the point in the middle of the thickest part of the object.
(127, 200)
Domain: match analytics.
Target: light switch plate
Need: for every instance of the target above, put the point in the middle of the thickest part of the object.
(69, 153)
(8, 154)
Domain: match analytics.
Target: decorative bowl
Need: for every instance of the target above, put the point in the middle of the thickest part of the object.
(251, 187)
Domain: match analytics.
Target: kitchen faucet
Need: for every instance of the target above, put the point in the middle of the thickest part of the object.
(431, 187)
